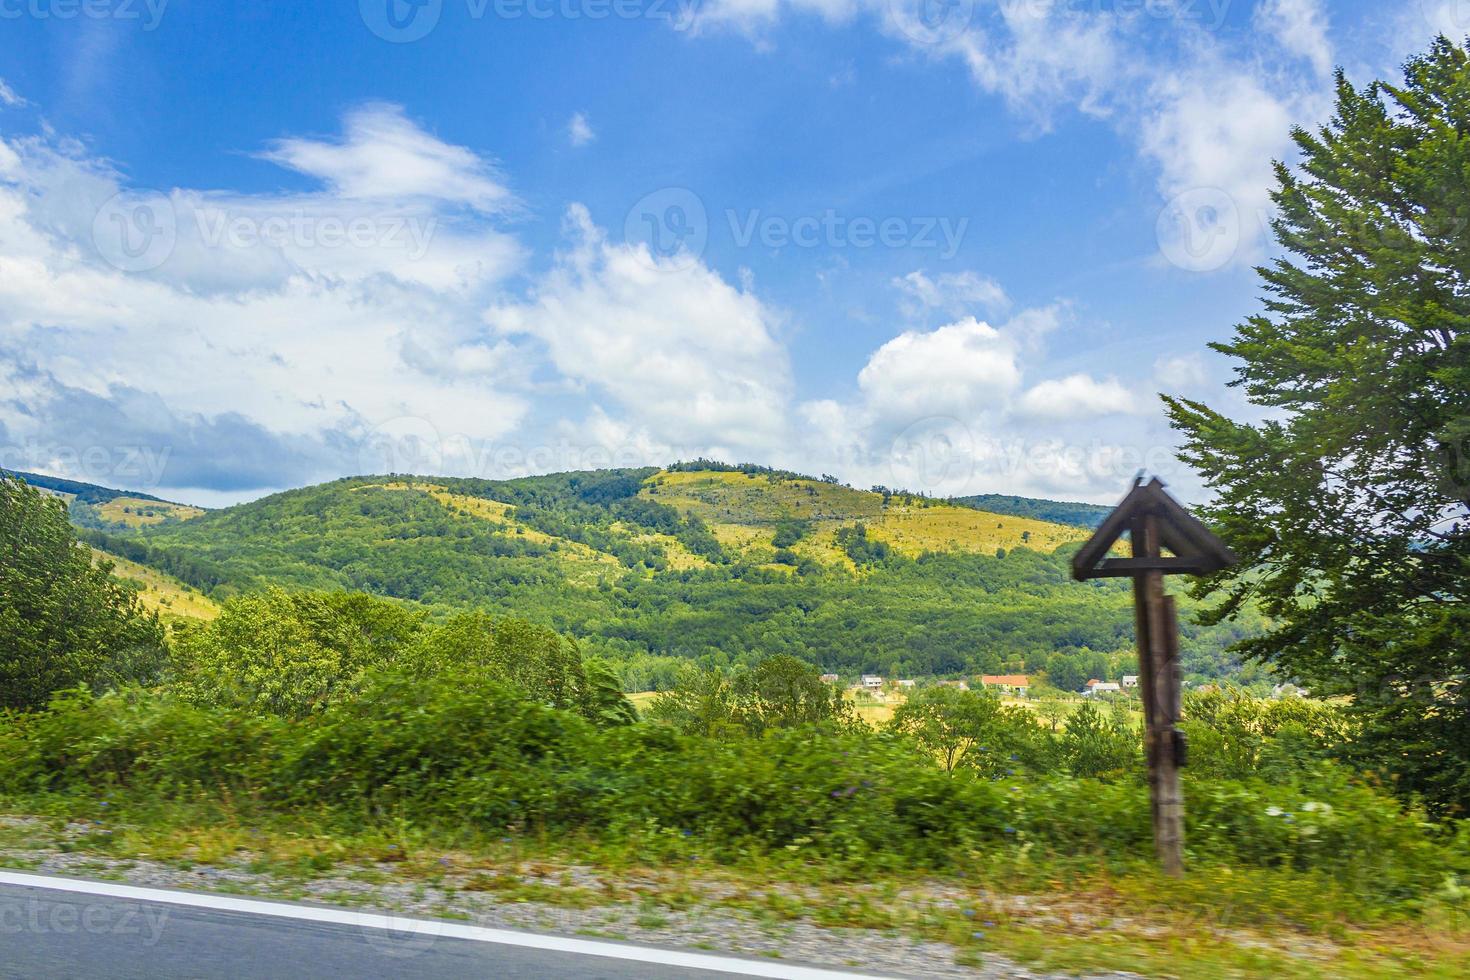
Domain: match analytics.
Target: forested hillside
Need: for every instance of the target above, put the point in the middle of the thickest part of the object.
(74, 490)
(648, 567)
(1062, 512)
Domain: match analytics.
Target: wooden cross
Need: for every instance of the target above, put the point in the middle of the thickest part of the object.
(1156, 523)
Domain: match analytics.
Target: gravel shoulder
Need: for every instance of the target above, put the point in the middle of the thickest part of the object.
(569, 900)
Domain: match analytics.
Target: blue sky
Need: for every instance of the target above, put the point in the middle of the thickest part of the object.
(949, 245)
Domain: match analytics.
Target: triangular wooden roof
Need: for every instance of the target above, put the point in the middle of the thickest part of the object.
(1197, 551)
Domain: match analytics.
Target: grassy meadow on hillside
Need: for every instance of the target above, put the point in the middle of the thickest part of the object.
(137, 512)
(911, 525)
(162, 593)
(90, 505)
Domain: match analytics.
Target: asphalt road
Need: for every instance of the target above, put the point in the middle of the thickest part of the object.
(64, 927)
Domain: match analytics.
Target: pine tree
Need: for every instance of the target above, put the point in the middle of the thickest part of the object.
(1349, 504)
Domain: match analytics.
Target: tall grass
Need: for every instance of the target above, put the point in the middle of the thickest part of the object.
(469, 758)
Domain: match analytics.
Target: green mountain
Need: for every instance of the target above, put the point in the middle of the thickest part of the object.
(651, 566)
(89, 493)
(93, 506)
(1061, 512)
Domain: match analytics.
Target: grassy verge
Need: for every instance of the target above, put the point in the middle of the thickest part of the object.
(464, 798)
(1069, 915)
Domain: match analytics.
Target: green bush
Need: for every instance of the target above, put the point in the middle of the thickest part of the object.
(1235, 736)
(158, 745)
(295, 654)
(778, 692)
(973, 730)
(459, 748)
(1094, 744)
(469, 754)
(292, 653)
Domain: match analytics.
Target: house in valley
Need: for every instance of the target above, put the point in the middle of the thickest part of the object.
(1016, 684)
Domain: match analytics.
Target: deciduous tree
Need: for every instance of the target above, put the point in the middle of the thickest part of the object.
(64, 620)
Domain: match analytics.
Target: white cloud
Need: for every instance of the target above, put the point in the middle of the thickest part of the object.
(1077, 396)
(249, 362)
(1215, 128)
(1301, 28)
(1035, 55)
(952, 292)
(599, 440)
(947, 411)
(692, 360)
(1215, 122)
(957, 370)
(1180, 372)
(1418, 23)
(384, 155)
(579, 130)
(8, 96)
(753, 16)
(1213, 134)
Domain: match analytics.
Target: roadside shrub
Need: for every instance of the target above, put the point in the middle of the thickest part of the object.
(843, 794)
(471, 754)
(292, 653)
(462, 748)
(1069, 815)
(779, 692)
(972, 729)
(1363, 838)
(136, 739)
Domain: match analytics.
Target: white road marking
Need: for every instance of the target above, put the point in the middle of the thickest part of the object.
(428, 928)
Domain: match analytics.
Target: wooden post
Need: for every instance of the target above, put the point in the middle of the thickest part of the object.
(1155, 522)
(1145, 674)
(1158, 673)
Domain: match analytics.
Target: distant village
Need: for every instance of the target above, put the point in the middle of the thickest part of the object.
(1020, 686)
